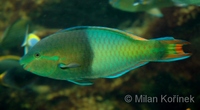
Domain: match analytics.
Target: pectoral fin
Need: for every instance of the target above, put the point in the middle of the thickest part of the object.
(81, 82)
(71, 65)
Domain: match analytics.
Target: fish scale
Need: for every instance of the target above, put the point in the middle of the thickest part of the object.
(117, 52)
(88, 52)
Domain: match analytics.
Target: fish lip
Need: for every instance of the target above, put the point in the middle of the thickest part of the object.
(24, 66)
(22, 63)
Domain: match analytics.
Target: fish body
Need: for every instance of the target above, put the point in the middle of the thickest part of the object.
(14, 34)
(150, 6)
(12, 74)
(186, 2)
(7, 62)
(81, 53)
(128, 5)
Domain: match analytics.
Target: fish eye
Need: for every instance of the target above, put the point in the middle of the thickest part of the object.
(37, 55)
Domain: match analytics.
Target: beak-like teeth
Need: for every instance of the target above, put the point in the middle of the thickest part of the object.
(21, 62)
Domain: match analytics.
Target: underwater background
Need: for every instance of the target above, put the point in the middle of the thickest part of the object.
(20, 90)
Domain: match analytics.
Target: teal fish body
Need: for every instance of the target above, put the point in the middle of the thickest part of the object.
(8, 64)
(128, 5)
(12, 74)
(186, 2)
(150, 6)
(14, 34)
(81, 53)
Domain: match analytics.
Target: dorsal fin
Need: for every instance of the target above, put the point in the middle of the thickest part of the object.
(136, 37)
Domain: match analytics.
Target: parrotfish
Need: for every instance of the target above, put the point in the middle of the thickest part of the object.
(150, 6)
(80, 54)
(29, 41)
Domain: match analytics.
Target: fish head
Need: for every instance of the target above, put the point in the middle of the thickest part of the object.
(40, 60)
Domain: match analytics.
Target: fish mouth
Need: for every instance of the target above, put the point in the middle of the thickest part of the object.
(25, 66)
(22, 63)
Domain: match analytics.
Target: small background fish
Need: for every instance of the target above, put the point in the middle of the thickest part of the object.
(14, 32)
(22, 30)
(12, 74)
(150, 6)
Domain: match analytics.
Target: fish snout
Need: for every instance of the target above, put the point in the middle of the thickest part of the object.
(21, 61)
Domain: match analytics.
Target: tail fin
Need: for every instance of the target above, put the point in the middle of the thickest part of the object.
(174, 49)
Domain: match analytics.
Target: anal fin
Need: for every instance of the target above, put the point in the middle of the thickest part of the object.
(81, 82)
(125, 71)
